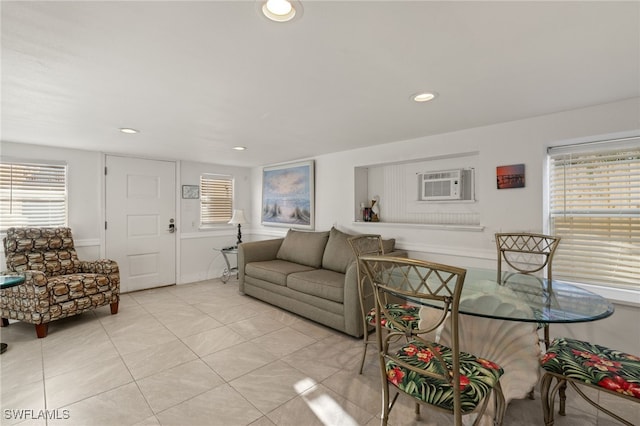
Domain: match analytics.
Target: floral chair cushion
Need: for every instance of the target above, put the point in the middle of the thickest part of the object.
(593, 364)
(407, 315)
(478, 376)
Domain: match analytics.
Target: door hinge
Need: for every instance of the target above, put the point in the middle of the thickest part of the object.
(105, 224)
(105, 170)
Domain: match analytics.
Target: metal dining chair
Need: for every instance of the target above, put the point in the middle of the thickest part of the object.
(431, 373)
(371, 244)
(527, 254)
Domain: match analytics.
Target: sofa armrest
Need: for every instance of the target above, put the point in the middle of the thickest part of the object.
(353, 319)
(256, 251)
(106, 267)
(30, 296)
(102, 266)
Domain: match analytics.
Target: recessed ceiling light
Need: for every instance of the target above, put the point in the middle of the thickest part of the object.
(239, 148)
(128, 130)
(280, 10)
(424, 97)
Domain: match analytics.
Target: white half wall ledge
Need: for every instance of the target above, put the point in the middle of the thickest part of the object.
(434, 226)
(448, 251)
(212, 233)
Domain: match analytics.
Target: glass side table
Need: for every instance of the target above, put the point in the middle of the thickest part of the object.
(228, 270)
(7, 281)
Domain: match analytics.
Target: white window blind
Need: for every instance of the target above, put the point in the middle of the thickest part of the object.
(594, 206)
(216, 199)
(32, 194)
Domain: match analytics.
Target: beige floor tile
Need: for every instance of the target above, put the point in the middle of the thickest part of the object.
(257, 326)
(217, 375)
(238, 360)
(72, 386)
(187, 321)
(319, 406)
(221, 406)
(325, 358)
(311, 329)
(270, 386)
(158, 358)
(178, 384)
(361, 389)
(214, 340)
(263, 421)
(149, 421)
(61, 356)
(18, 403)
(226, 314)
(121, 406)
(283, 341)
(21, 364)
(629, 410)
(155, 295)
(140, 335)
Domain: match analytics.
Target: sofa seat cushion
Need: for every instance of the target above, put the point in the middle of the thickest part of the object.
(75, 286)
(303, 247)
(319, 282)
(275, 271)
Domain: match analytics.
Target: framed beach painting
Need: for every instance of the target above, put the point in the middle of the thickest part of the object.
(288, 195)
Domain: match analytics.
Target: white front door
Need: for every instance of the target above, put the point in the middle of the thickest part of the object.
(140, 215)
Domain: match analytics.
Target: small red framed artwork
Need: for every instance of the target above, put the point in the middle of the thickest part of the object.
(511, 176)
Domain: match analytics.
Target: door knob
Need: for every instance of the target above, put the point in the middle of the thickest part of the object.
(172, 228)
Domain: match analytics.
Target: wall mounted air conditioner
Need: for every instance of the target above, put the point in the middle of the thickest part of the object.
(446, 185)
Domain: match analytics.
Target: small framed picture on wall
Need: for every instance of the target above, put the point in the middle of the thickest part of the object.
(191, 192)
(510, 176)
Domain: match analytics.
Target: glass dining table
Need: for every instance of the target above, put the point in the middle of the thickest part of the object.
(526, 298)
(499, 321)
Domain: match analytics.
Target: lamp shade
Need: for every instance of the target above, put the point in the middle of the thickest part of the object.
(238, 217)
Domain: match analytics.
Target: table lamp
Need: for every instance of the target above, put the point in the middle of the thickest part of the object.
(238, 219)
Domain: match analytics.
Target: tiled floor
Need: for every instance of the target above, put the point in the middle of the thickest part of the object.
(202, 354)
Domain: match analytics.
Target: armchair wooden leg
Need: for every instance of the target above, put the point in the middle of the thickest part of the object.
(114, 308)
(42, 329)
(5, 322)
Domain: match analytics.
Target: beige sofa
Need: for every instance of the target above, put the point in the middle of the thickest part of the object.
(312, 274)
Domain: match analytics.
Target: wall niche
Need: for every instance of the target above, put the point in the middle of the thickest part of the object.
(404, 199)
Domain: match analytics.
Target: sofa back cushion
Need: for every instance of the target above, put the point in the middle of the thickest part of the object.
(338, 254)
(303, 247)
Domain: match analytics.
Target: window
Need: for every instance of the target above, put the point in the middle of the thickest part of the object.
(216, 199)
(594, 206)
(32, 194)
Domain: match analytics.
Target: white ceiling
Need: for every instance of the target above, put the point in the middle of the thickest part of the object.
(197, 78)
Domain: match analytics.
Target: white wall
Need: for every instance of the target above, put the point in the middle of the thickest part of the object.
(85, 182)
(524, 141)
(197, 259)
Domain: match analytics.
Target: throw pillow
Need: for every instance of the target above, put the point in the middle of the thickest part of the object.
(338, 254)
(305, 248)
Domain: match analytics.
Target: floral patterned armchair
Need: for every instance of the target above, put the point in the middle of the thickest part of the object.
(57, 284)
